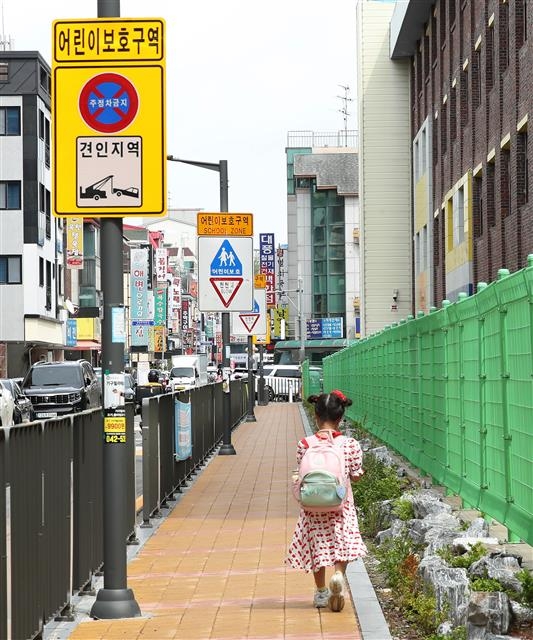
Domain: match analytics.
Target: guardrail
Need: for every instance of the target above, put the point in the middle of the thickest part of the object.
(163, 475)
(51, 495)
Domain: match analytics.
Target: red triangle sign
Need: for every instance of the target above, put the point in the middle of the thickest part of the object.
(226, 288)
(249, 320)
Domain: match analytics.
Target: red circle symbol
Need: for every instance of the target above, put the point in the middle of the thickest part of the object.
(108, 102)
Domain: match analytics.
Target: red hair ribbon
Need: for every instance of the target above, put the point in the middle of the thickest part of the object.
(340, 395)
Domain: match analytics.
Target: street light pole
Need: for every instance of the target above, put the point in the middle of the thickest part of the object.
(222, 168)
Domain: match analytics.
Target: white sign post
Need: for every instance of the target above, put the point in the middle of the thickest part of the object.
(225, 274)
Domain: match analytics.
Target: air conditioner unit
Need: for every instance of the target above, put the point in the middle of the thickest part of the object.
(356, 236)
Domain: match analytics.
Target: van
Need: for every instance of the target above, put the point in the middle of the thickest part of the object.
(282, 381)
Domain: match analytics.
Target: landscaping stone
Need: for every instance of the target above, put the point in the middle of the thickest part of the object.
(490, 611)
(501, 568)
(426, 503)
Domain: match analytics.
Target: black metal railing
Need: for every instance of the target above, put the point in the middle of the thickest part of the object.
(51, 497)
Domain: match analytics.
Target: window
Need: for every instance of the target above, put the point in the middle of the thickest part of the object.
(10, 269)
(453, 114)
(4, 72)
(491, 218)
(464, 99)
(458, 216)
(451, 8)
(443, 131)
(522, 168)
(48, 284)
(9, 121)
(505, 183)
(9, 194)
(477, 203)
(504, 35)
(476, 78)
(41, 125)
(41, 272)
(489, 55)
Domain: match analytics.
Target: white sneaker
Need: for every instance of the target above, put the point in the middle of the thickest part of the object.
(321, 598)
(336, 586)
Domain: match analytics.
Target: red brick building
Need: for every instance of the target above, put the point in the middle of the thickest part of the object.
(471, 94)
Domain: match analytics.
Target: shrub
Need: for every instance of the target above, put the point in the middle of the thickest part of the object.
(526, 578)
(403, 509)
(485, 584)
(378, 483)
(463, 561)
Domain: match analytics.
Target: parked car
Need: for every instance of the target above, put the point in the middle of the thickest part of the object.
(23, 411)
(60, 388)
(281, 380)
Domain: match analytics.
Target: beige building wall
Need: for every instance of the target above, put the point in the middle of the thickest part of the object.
(384, 172)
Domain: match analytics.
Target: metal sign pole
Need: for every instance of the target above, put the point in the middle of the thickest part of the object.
(227, 449)
(115, 600)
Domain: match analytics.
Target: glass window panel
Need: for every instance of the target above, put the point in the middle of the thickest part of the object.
(320, 253)
(320, 284)
(336, 251)
(336, 235)
(319, 216)
(3, 270)
(13, 269)
(336, 303)
(319, 267)
(319, 235)
(13, 121)
(336, 266)
(336, 214)
(336, 284)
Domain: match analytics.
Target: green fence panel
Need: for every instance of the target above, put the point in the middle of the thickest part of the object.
(452, 391)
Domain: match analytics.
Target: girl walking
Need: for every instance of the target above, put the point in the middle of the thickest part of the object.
(330, 539)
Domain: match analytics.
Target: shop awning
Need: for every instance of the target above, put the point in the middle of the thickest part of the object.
(325, 343)
(85, 345)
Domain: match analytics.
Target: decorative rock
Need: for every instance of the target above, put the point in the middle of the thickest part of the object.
(501, 568)
(491, 611)
(479, 528)
(466, 543)
(445, 629)
(429, 566)
(382, 453)
(427, 503)
(521, 614)
(452, 591)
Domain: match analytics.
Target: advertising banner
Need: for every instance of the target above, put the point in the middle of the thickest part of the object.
(74, 243)
(139, 292)
(267, 265)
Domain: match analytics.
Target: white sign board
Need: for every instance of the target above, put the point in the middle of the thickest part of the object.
(254, 322)
(225, 274)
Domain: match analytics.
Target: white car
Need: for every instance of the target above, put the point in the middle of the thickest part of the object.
(282, 381)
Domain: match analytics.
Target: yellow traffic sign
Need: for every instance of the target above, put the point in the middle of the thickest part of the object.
(108, 116)
(225, 224)
(260, 281)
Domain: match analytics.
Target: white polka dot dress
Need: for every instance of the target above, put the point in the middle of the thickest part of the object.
(321, 539)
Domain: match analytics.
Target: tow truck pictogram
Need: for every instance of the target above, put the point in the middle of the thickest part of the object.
(96, 191)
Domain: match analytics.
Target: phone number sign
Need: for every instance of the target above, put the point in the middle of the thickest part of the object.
(108, 118)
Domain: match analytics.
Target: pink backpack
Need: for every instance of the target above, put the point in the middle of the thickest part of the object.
(322, 483)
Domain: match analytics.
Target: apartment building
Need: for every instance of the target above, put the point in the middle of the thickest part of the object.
(32, 318)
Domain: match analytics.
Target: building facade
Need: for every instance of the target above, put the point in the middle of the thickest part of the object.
(384, 171)
(471, 93)
(323, 231)
(32, 317)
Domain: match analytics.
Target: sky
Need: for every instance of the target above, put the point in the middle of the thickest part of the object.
(240, 75)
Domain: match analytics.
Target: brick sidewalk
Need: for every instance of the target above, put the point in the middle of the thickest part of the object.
(214, 569)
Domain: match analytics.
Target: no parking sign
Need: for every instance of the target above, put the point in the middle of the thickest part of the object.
(108, 124)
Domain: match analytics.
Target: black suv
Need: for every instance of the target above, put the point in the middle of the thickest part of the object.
(58, 388)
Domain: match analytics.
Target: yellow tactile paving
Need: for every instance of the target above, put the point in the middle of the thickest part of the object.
(214, 569)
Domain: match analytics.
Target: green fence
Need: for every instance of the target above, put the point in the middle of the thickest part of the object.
(311, 380)
(452, 391)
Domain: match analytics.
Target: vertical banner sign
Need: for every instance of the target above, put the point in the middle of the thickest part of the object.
(182, 430)
(138, 294)
(160, 306)
(74, 243)
(72, 330)
(161, 264)
(108, 118)
(267, 265)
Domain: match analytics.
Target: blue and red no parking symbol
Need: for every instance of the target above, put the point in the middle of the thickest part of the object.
(108, 102)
